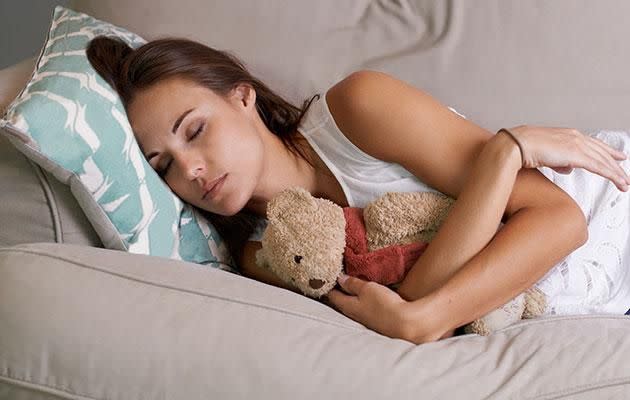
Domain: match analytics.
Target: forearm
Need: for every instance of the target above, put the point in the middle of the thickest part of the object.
(472, 221)
(529, 244)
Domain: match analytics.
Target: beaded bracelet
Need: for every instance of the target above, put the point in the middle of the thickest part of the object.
(517, 142)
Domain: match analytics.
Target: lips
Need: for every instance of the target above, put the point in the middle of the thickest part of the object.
(210, 185)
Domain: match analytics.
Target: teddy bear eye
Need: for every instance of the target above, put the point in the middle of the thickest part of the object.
(297, 259)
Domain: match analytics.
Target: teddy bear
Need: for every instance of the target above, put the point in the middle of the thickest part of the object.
(308, 242)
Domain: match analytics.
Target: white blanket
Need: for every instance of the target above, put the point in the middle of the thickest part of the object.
(596, 277)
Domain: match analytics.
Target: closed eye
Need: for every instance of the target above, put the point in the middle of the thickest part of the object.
(197, 132)
(165, 170)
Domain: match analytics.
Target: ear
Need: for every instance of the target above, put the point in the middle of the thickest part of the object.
(244, 94)
(290, 199)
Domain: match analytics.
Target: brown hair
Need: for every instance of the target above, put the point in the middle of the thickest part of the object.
(128, 70)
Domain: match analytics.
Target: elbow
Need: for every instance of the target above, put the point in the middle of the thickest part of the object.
(582, 228)
(583, 236)
(576, 224)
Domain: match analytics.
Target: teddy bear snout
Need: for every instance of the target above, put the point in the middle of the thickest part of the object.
(316, 283)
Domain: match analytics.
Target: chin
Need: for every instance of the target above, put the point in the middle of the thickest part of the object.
(231, 213)
(231, 207)
(233, 202)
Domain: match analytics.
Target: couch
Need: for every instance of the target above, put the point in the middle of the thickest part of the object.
(79, 321)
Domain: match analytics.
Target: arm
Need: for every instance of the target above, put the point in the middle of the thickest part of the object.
(531, 242)
(396, 122)
(472, 221)
(393, 121)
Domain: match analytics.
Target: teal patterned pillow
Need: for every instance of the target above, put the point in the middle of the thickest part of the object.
(72, 123)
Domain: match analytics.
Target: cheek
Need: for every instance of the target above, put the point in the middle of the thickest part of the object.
(236, 151)
(248, 159)
(179, 187)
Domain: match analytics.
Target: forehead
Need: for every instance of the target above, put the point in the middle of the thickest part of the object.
(153, 110)
(164, 101)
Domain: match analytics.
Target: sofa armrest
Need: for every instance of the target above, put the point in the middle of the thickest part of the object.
(84, 321)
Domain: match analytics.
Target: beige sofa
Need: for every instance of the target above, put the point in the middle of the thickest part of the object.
(81, 322)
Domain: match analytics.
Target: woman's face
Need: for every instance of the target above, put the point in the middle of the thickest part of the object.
(215, 136)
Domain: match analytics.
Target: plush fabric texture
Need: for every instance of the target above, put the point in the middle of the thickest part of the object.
(368, 264)
(72, 123)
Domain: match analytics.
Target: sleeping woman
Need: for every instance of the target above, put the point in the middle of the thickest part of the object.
(545, 206)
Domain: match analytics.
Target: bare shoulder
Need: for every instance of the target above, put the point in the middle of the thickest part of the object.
(368, 106)
(397, 122)
(394, 121)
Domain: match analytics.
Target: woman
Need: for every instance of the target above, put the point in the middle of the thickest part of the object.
(201, 119)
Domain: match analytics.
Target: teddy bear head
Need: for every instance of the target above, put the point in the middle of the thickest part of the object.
(300, 226)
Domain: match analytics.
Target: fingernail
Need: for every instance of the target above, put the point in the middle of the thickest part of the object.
(342, 278)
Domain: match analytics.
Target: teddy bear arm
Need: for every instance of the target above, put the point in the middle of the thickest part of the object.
(405, 217)
(535, 303)
(499, 318)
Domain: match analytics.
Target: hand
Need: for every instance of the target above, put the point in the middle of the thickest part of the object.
(563, 149)
(377, 307)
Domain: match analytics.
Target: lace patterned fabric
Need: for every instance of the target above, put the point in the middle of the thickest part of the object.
(594, 278)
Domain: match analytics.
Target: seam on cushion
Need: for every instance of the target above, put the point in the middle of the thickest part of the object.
(145, 281)
(43, 388)
(540, 321)
(582, 388)
(52, 203)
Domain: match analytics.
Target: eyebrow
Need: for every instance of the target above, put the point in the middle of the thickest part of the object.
(176, 125)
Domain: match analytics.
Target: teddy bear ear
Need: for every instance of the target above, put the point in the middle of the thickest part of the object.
(291, 196)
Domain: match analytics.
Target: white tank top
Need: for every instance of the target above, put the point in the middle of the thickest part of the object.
(362, 177)
(594, 278)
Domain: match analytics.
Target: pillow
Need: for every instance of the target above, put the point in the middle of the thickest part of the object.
(68, 120)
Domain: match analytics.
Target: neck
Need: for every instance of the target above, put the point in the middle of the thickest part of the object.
(281, 172)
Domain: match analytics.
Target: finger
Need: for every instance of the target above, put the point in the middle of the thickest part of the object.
(613, 153)
(343, 302)
(600, 165)
(617, 154)
(351, 284)
(609, 151)
(620, 175)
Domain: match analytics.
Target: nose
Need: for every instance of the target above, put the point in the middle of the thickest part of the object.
(316, 283)
(192, 168)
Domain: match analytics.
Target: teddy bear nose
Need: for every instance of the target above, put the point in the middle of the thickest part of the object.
(316, 283)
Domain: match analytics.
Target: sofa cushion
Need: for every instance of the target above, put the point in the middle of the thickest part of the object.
(34, 205)
(69, 121)
(83, 322)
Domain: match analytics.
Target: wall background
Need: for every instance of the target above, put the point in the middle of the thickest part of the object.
(23, 28)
